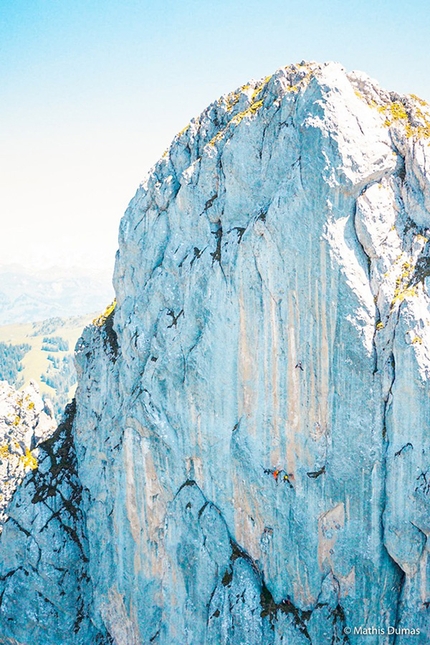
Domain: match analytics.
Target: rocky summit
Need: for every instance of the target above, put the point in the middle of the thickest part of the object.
(248, 458)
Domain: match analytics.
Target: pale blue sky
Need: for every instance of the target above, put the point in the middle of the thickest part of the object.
(93, 91)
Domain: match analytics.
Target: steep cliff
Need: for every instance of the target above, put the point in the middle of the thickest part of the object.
(251, 429)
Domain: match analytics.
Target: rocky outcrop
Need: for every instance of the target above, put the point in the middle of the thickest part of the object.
(45, 590)
(251, 438)
(25, 420)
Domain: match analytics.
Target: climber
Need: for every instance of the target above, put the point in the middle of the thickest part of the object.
(287, 479)
(275, 472)
(279, 475)
(272, 471)
(299, 365)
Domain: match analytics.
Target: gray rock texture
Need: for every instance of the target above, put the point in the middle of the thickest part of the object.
(251, 429)
(44, 585)
(25, 420)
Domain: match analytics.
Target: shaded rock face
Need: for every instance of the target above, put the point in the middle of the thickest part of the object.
(251, 430)
(44, 585)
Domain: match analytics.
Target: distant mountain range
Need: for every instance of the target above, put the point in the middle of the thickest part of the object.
(29, 296)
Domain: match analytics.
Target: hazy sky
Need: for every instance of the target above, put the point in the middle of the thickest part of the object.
(92, 92)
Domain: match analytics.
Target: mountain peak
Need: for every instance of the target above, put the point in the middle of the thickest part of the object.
(249, 445)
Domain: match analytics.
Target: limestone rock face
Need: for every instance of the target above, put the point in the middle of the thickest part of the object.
(251, 428)
(25, 420)
(45, 590)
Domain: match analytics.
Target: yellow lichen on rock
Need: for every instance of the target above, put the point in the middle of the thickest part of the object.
(416, 122)
(260, 87)
(418, 99)
(231, 100)
(417, 340)
(250, 111)
(28, 460)
(100, 320)
(183, 131)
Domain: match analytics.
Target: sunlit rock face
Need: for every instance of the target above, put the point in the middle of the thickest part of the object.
(251, 428)
(272, 316)
(25, 420)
